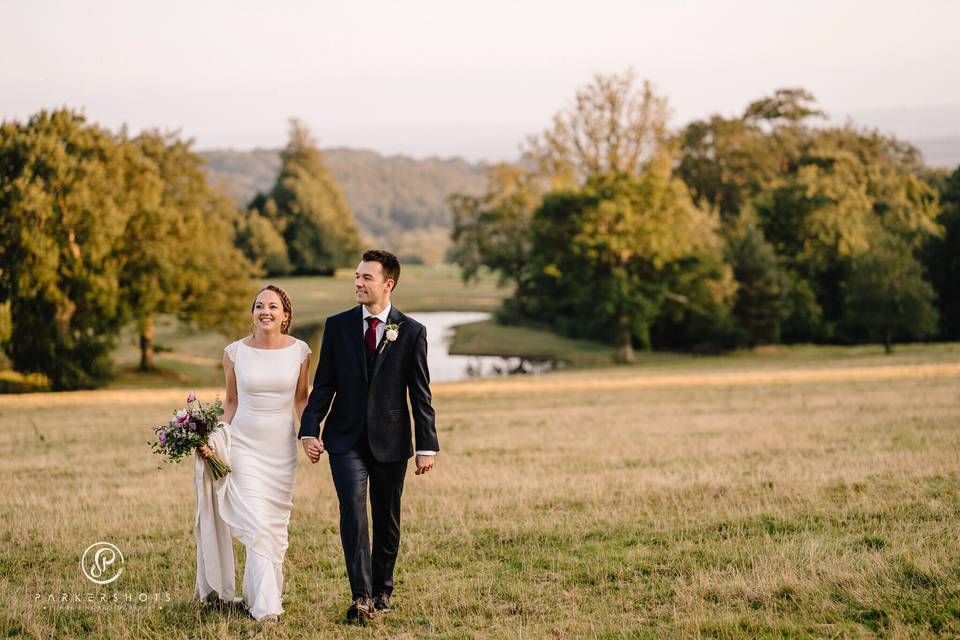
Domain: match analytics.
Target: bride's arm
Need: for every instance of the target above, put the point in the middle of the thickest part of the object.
(230, 402)
(303, 388)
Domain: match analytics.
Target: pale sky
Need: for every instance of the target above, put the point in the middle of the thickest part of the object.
(446, 78)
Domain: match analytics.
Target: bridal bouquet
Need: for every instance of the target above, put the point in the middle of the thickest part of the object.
(188, 430)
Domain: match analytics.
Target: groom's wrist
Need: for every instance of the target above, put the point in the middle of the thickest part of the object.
(425, 452)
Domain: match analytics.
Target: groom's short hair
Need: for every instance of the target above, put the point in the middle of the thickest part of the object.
(389, 262)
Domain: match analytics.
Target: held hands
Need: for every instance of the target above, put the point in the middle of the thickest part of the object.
(313, 448)
(424, 464)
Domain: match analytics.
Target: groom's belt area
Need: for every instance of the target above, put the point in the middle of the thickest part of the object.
(390, 415)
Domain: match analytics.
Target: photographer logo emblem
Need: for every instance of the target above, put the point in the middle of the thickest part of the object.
(102, 563)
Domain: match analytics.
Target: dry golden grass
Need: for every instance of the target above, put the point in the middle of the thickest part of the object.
(726, 499)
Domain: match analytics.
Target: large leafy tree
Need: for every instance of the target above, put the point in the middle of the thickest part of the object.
(64, 205)
(308, 209)
(178, 253)
(608, 260)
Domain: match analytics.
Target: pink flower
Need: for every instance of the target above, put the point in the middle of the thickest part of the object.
(192, 397)
(162, 437)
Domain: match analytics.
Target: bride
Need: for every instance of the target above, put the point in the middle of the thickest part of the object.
(266, 379)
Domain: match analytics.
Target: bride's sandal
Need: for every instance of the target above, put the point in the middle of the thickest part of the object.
(269, 619)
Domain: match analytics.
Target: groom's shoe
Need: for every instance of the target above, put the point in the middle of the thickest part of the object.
(360, 610)
(382, 603)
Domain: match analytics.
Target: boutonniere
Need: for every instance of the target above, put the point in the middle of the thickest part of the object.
(392, 333)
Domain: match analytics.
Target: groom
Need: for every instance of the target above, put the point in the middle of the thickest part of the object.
(371, 357)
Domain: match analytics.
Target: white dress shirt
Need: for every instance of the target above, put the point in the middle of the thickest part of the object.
(381, 329)
(382, 317)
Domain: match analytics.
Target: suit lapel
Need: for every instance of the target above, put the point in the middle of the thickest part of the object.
(394, 318)
(356, 330)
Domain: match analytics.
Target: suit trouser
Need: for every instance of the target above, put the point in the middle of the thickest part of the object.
(370, 573)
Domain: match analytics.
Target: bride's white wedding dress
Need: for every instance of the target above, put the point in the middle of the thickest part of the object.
(253, 502)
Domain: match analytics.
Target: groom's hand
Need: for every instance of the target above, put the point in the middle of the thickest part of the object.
(424, 464)
(313, 448)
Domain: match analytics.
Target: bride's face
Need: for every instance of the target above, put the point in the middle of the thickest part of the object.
(268, 313)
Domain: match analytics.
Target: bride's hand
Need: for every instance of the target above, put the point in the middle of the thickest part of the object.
(204, 452)
(313, 447)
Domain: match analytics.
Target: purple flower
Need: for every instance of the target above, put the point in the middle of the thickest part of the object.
(162, 437)
(192, 397)
(182, 416)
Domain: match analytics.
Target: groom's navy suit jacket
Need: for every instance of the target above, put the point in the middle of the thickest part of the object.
(371, 400)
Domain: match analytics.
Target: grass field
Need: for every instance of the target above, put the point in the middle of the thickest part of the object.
(787, 494)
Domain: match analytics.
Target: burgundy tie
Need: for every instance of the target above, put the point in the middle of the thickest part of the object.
(370, 337)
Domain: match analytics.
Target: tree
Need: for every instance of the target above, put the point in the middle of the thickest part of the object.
(887, 295)
(492, 230)
(607, 259)
(63, 207)
(760, 304)
(826, 208)
(724, 162)
(262, 244)
(942, 256)
(308, 209)
(727, 161)
(786, 107)
(178, 253)
(613, 127)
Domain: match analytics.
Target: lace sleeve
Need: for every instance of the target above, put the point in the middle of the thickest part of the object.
(231, 350)
(304, 351)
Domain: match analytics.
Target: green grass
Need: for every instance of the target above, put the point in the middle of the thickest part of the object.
(420, 289)
(758, 496)
(488, 338)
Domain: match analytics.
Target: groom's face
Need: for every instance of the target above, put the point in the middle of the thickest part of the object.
(370, 286)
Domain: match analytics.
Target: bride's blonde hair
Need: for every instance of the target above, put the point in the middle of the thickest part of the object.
(284, 300)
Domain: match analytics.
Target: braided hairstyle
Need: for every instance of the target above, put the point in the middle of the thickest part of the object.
(284, 300)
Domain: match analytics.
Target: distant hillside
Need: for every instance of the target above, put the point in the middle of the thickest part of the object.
(387, 194)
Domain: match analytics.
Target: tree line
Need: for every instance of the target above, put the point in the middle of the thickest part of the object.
(100, 230)
(764, 228)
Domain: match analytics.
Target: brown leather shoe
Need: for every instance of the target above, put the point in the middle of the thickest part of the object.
(360, 610)
(381, 603)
